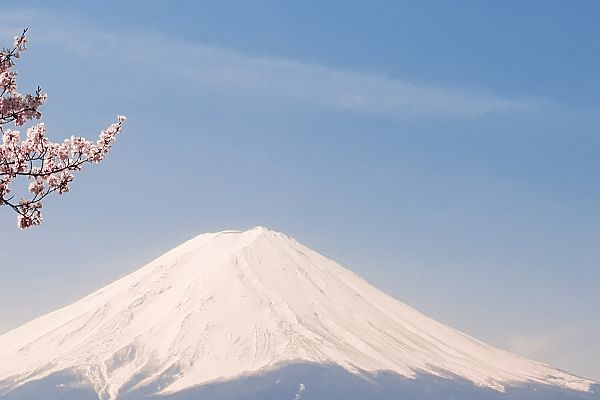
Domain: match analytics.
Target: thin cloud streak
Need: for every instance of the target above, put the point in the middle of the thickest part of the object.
(535, 346)
(265, 77)
(558, 345)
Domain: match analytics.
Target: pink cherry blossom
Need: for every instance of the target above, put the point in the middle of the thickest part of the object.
(48, 166)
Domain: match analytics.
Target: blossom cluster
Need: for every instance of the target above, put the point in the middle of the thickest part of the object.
(47, 166)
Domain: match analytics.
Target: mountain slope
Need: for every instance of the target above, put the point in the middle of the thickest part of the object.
(233, 303)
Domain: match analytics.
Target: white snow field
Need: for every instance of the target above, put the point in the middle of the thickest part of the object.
(227, 304)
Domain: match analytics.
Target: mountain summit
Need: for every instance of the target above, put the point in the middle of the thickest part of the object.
(232, 304)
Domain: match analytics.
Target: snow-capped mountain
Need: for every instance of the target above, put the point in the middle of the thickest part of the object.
(231, 305)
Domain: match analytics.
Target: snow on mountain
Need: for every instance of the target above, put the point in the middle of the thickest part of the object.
(227, 304)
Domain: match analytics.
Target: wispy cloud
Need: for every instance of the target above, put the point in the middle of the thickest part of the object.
(266, 76)
(566, 346)
(536, 346)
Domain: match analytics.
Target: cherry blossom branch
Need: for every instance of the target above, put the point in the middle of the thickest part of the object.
(46, 165)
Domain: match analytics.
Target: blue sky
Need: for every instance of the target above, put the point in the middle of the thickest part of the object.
(446, 152)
